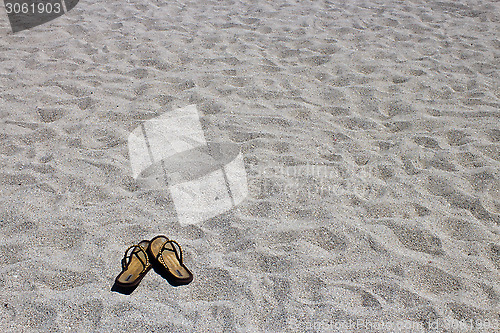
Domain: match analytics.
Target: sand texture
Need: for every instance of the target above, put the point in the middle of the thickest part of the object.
(371, 140)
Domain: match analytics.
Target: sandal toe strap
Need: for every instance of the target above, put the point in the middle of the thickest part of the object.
(175, 245)
(127, 258)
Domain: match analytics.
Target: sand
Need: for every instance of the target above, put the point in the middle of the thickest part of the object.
(371, 141)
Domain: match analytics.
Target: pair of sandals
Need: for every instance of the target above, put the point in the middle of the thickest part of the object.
(160, 253)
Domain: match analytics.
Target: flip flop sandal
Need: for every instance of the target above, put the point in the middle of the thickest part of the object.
(167, 260)
(135, 265)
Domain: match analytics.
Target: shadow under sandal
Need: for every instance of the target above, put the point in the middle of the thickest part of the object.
(167, 260)
(134, 266)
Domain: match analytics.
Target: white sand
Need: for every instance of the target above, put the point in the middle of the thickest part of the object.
(399, 99)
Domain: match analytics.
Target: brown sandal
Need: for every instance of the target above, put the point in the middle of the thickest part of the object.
(167, 259)
(134, 266)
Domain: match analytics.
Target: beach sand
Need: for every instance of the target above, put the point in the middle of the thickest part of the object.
(371, 141)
